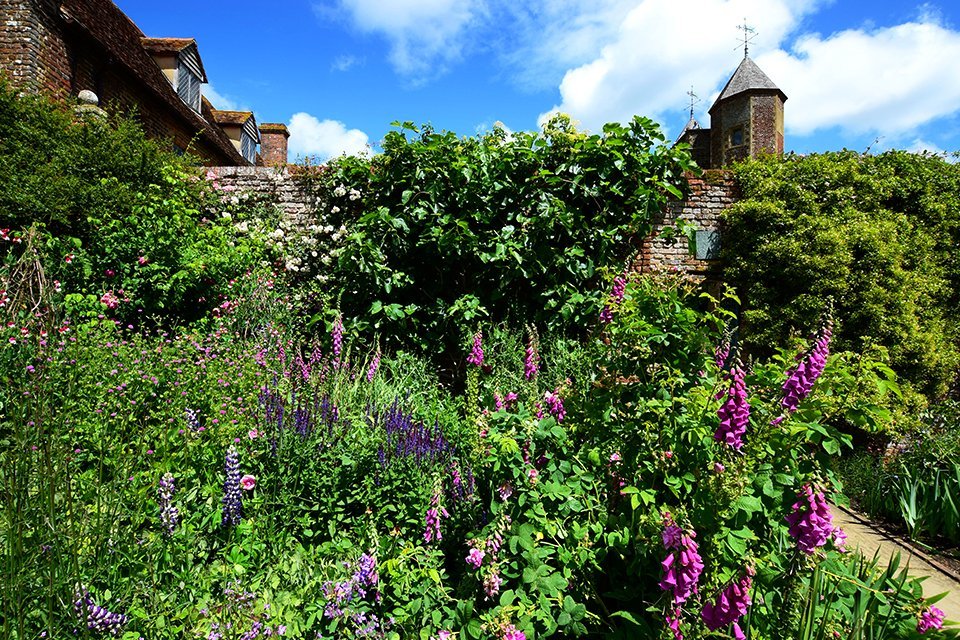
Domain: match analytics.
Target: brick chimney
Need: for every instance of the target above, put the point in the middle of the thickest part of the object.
(273, 144)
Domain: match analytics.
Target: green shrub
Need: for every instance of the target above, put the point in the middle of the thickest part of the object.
(876, 234)
(127, 228)
(438, 231)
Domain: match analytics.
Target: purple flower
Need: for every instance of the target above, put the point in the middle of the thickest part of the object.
(734, 413)
(491, 583)
(432, 519)
(555, 404)
(337, 337)
(374, 365)
(193, 420)
(95, 617)
(682, 566)
(476, 353)
(731, 605)
(169, 515)
(801, 379)
(811, 523)
(232, 501)
(475, 558)
(721, 353)
(531, 360)
(673, 623)
(931, 618)
(616, 298)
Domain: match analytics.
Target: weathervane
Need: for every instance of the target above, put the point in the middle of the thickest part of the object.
(749, 33)
(694, 99)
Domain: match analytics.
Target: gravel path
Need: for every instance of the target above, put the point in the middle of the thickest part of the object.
(862, 536)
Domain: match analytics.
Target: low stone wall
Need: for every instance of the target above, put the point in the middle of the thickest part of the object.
(709, 196)
(276, 183)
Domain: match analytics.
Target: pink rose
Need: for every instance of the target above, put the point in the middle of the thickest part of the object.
(248, 482)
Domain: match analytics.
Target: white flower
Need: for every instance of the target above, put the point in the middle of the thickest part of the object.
(340, 191)
(335, 210)
(325, 259)
(354, 194)
(313, 253)
(226, 215)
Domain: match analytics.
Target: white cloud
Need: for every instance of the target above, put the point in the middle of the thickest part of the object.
(661, 48)
(221, 101)
(888, 80)
(324, 139)
(885, 81)
(345, 63)
(424, 35)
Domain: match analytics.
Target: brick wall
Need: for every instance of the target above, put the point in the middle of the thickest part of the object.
(276, 183)
(709, 196)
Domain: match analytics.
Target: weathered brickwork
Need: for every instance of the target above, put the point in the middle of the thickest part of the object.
(61, 47)
(276, 183)
(709, 196)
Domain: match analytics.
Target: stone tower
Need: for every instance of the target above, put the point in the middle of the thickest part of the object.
(747, 119)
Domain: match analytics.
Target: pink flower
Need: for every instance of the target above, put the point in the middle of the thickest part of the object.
(931, 618)
(475, 558)
(248, 482)
(142, 260)
(252, 434)
(532, 475)
(69, 258)
(444, 635)
(110, 300)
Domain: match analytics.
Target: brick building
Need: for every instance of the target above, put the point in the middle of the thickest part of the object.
(745, 121)
(63, 47)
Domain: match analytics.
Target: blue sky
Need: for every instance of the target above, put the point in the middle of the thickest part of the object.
(858, 74)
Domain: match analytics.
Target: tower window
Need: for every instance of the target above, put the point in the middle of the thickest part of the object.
(736, 137)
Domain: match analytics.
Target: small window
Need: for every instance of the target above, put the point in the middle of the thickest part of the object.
(248, 147)
(736, 137)
(188, 86)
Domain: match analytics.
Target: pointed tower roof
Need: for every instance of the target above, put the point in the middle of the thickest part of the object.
(747, 77)
(692, 125)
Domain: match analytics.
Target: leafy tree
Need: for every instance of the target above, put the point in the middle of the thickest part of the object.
(443, 231)
(877, 234)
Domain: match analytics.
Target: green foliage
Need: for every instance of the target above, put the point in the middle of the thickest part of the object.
(442, 231)
(122, 220)
(915, 481)
(877, 234)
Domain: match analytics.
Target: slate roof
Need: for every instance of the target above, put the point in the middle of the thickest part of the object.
(747, 77)
(107, 25)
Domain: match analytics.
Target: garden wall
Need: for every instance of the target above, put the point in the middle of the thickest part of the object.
(277, 183)
(709, 195)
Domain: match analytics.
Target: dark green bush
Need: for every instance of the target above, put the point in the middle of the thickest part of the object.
(118, 215)
(441, 231)
(877, 234)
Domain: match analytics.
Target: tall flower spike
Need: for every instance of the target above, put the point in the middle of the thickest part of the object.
(169, 515)
(336, 336)
(232, 501)
(731, 605)
(476, 353)
(682, 566)
(811, 523)
(734, 413)
(531, 359)
(802, 377)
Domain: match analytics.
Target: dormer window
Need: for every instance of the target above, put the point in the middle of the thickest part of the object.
(179, 59)
(188, 85)
(241, 128)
